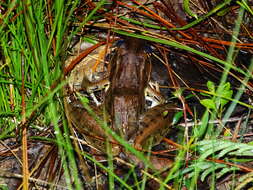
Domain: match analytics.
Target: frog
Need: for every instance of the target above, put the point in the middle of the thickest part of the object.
(124, 103)
(125, 99)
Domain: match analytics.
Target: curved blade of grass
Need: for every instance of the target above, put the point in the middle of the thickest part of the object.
(110, 164)
(130, 20)
(245, 5)
(4, 19)
(178, 163)
(186, 6)
(178, 45)
(46, 99)
(200, 19)
(31, 30)
(181, 46)
(59, 22)
(88, 18)
(229, 66)
(200, 131)
(238, 95)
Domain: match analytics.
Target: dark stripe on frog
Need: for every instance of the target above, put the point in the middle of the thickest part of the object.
(148, 130)
(154, 122)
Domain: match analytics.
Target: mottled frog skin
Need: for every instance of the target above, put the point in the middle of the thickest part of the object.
(125, 102)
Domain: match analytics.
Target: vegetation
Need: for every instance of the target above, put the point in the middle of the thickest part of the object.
(211, 40)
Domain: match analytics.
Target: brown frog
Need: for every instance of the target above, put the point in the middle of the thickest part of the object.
(125, 102)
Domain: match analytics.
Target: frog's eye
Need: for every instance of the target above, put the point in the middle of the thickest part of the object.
(119, 43)
(165, 113)
(148, 49)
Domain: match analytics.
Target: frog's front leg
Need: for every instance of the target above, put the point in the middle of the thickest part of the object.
(92, 87)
